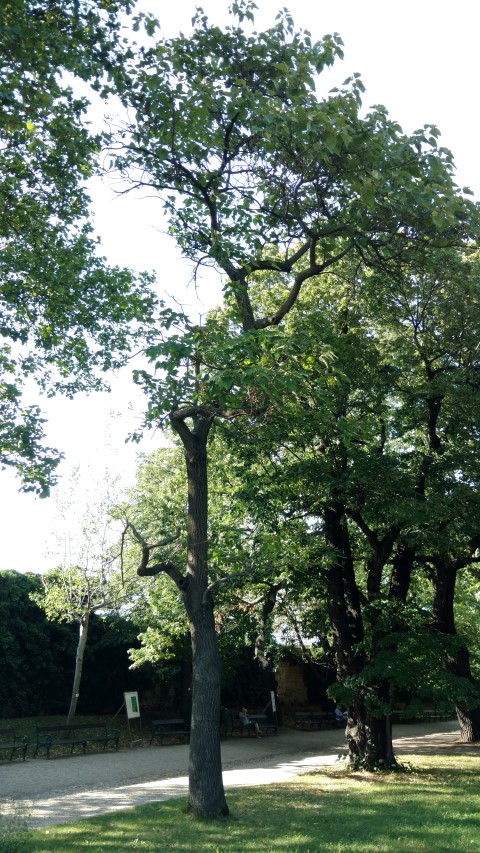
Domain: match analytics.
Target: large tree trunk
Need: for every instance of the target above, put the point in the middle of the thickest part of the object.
(369, 738)
(82, 642)
(469, 720)
(444, 621)
(206, 792)
(343, 595)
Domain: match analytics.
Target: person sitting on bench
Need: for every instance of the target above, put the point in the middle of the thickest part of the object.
(247, 723)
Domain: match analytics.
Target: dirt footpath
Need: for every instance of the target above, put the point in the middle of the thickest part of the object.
(59, 790)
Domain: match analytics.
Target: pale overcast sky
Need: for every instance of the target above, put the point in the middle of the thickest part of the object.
(419, 59)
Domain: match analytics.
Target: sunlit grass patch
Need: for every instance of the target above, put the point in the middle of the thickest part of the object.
(13, 831)
(434, 808)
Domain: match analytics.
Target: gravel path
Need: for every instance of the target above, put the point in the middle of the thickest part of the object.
(65, 789)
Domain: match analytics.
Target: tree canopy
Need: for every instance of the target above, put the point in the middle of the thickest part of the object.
(66, 315)
(258, 172)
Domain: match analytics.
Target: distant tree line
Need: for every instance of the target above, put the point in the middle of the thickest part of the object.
(37, 657)
(37, 661)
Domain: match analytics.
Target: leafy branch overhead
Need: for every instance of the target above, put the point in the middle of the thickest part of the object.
(66, 316)
(258, 173)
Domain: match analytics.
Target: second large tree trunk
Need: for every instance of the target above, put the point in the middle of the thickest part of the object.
(468, 718)
(369, 739)
(458, 664)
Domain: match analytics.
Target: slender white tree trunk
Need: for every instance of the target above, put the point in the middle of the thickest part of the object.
(82, 642)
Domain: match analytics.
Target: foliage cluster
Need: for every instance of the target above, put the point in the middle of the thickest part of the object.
(66, 315)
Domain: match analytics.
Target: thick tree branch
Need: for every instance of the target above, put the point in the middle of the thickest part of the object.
(313, 270)
(147, 569)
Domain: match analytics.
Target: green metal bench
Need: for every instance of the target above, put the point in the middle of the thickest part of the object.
(174, 727)
(13, 743)
(81, 734)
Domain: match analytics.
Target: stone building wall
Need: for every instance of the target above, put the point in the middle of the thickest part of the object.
(292, 689)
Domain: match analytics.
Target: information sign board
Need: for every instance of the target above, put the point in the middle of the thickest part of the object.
(131, 705)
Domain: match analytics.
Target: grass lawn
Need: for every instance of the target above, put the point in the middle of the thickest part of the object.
(435, 808)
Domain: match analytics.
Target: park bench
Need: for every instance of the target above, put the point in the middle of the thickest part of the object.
(430, 715)
(328, 718)
(13, 743)
(81, 734)
(172, 728)
(425, 715)
(304, 720)
(264, 724)
(315, 719)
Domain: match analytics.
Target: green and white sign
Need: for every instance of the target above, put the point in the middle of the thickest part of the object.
(132, 706)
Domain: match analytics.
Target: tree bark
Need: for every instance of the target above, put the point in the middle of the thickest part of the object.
(369, 738)
(469, 720)
(401, 572)
(206, 792)
(343, 598)
(444, 581)
(82, 642)
(267, 672)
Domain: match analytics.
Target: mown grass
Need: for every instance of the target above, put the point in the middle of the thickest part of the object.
(434, 807)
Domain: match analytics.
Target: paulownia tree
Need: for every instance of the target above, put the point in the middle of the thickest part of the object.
(258, 174)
